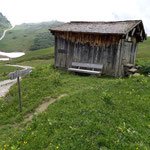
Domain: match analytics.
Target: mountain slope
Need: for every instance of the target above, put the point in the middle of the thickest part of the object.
(27, 37)
(4, 24)
(144, 50)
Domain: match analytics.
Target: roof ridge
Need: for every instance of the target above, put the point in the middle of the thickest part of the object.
(101, 27)
(104, 21)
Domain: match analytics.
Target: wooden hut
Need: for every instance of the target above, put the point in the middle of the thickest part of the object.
(97, 47)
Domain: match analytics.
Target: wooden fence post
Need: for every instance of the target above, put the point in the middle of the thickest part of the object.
(19, 92)
(17, 74)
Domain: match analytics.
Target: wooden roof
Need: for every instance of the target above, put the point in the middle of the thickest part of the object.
(115, 27)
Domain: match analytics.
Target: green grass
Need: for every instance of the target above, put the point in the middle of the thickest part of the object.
(33, 58)
(23, 36)
(145, 45)
(43, 54)
(143, 54)
(104, 113)
(1, 32)
(35, 63)
(97, 113)
(5, 70)
(4, 24)
(17, 41)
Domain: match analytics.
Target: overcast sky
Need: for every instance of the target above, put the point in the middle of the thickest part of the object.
(25, 11)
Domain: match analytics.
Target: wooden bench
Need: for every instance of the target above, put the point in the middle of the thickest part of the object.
(86, 68)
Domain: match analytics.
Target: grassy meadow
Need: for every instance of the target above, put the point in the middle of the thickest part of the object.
(5, 70)
(143, 55)
(26, 36)
(104, 113)
(4, 24)
(42, 54)
(38, 57)
(96, 114)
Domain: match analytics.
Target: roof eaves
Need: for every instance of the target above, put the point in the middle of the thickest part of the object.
(52, 30)
(133, 26)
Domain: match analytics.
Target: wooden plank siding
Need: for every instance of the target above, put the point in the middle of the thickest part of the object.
(95, 52)
(109, 51)
(112, 44)
(126, 54)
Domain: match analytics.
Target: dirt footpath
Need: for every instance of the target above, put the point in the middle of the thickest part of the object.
(6, 84)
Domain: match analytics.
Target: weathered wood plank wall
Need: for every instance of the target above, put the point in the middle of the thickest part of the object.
(126, 54)
(110, 51)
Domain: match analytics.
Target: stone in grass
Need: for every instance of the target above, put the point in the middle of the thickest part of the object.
(136, 74)
(133, 70)
(138, 67)
(129, 65)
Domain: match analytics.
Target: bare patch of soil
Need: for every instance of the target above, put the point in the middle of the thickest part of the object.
(42, 107)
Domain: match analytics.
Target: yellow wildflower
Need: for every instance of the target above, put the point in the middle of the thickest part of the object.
(137, 148)
(149, 125)
(57, 147)
(25, 142)
(129, 92)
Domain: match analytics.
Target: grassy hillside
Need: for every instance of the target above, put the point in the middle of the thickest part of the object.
(143, 56)
(27, 37)
(144, 50)
(96, 113)
(42, 54)
(4, 70)
(4, 24)
(38, 57)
